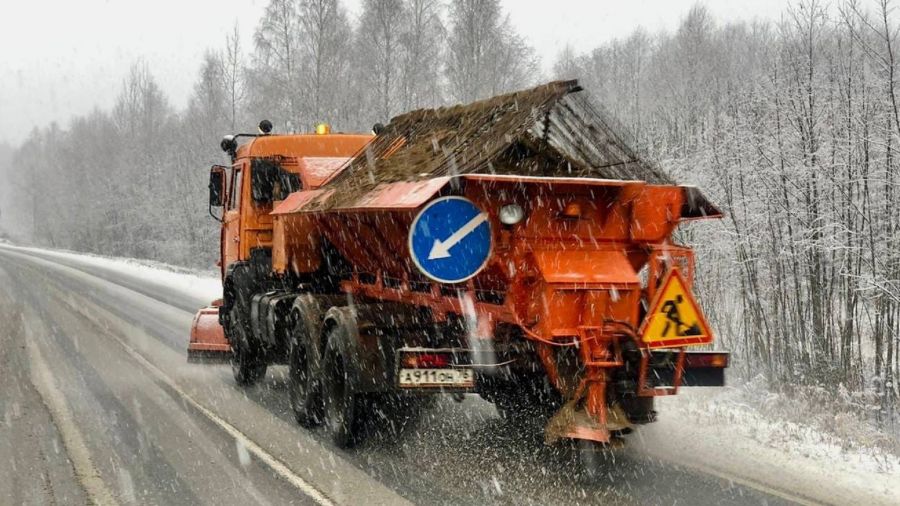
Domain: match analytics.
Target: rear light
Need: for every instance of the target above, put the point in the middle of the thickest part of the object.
(572, 210)
(426, 360)
(706, 359)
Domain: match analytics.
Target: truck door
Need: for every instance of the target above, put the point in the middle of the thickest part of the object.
(231, 226)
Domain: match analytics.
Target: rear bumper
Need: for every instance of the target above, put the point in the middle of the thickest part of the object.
(701, 368)
(703, 377)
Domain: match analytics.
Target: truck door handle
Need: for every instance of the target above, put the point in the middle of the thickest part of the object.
(236, 239)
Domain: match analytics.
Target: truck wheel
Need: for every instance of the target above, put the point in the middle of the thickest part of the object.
(342, 414)
(246, 367)
(305, 398)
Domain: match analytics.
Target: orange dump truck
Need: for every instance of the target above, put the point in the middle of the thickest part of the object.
(515, 247)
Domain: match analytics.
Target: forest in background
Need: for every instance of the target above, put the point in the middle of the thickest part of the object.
(791, 126)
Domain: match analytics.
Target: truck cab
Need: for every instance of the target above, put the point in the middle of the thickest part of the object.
(263, 172)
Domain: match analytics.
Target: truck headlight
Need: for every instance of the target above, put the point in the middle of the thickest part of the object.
(510, 214)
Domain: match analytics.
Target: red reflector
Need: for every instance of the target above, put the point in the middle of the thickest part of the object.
(706, 360)
(426, 360)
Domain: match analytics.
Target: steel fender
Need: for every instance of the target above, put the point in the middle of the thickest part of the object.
(380, 326)
(367, 369)
(392, 315)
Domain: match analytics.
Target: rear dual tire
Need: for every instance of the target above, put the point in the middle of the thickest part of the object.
(306, 399)
(328, 391)
(321, 383)
(342, 413)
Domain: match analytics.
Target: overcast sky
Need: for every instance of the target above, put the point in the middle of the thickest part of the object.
(63, 58)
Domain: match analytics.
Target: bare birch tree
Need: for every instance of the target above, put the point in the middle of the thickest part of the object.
(485, 54)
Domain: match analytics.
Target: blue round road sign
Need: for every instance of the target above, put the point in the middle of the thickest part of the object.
(450, 239)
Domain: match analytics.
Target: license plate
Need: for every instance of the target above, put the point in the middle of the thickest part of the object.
(461, 377)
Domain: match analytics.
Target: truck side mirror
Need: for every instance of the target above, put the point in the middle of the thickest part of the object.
(217, 186)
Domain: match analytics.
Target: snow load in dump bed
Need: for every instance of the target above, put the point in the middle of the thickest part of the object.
(551, 131)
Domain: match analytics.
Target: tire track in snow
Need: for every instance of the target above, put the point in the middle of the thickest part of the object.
(85, 471)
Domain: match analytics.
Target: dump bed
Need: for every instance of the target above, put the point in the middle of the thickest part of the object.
(533, 147)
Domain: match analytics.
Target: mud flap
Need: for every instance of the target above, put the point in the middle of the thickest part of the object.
(208, 344)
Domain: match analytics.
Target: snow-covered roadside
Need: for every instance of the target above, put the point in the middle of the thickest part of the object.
(719, 431)
(812, 416)
(203, 285)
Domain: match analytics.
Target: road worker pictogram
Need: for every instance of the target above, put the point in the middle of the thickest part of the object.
(675, 318)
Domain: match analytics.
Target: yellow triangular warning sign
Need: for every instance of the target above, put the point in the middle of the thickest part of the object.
(675, 318)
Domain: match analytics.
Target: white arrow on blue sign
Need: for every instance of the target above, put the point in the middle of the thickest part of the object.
(450, 239)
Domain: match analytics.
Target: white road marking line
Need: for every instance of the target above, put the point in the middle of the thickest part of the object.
(85, 471)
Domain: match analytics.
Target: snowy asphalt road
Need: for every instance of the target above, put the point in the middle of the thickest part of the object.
(99, 404)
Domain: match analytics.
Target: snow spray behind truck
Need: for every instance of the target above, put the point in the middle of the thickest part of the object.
(515, 247)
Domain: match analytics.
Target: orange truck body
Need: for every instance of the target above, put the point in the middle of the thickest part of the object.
(578, 279)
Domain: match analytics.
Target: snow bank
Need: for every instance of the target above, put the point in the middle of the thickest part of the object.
(202, 285)
(735, 407)
(724, 431)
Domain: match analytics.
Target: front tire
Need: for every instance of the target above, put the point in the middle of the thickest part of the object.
(246, 366)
